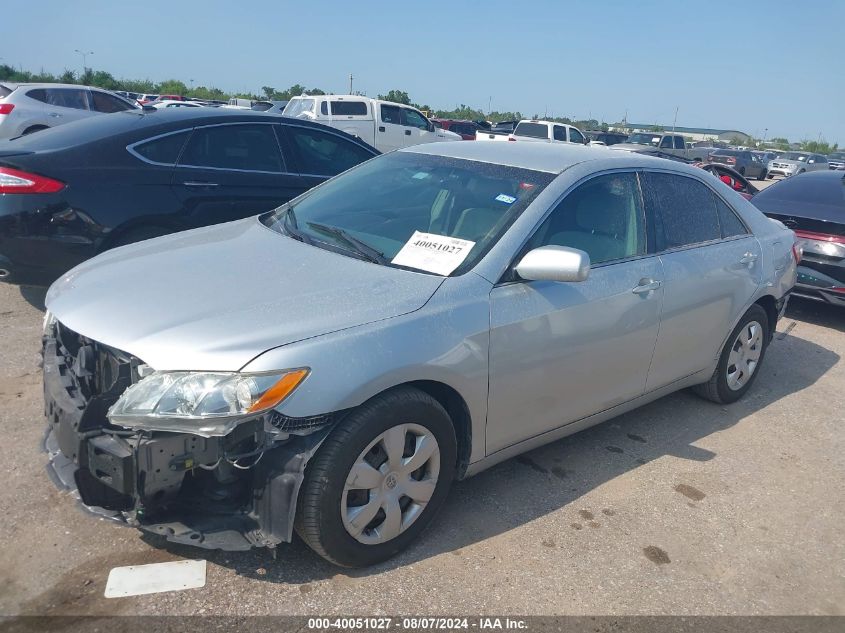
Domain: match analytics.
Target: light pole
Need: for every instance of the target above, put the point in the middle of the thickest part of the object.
(85, 55)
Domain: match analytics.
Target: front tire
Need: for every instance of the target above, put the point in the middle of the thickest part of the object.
(762, 175)
(740, 360)
(378, 479)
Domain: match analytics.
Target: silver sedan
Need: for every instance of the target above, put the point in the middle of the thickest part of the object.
(334, 365)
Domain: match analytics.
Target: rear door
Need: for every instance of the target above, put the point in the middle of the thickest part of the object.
(63, 105)
(390, 133)
(232, 171)
(711, 265)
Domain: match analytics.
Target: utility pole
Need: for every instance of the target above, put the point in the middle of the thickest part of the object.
(350, 83)
(85, 55)
(675, 119)
(489, 104)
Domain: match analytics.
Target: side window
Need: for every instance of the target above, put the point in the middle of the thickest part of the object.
(666, 142)
(325, 154)
(730, 223)
(390, 114)
(324, 107)
(164, 150)
(603, 217)
(349, 108)
(575, 136)
(560, 133)
(68, 98)
(679, 143)
(39, 94)
(821, 159)
(412, 118)
(102, 102)
(684, 210)
(242, 147)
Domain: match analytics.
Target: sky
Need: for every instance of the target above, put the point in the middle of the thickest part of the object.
(770, 69)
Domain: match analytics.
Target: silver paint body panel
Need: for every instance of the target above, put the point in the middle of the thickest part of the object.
(533, 361)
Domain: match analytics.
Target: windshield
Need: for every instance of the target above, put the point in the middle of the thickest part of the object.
(793, 156)
(644, 139)
(298, 106)
(416, 211)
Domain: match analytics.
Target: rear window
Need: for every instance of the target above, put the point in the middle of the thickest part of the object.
(814, 195)
(533, 130)
(5, 91)
(726, 152)
(349, 108)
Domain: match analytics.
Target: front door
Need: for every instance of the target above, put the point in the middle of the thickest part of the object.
(416, 128)
(562, 351)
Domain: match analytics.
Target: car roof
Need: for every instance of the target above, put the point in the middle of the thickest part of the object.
(552, 158)
(149, 122)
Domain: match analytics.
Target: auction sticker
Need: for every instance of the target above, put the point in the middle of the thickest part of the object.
(434, 253)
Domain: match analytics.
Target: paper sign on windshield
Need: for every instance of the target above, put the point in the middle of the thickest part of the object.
(434, 253)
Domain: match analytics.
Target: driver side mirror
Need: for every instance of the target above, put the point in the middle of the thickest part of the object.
(554, 263)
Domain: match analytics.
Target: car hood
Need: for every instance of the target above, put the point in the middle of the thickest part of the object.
(217, 297)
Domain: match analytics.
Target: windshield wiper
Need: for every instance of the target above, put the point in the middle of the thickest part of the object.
(361, 248)
(291, 227)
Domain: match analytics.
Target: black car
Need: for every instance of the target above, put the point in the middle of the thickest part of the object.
(813, 205)
(608, 138)
(71, 192)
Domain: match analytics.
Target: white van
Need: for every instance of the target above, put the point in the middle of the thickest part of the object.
(383, 124)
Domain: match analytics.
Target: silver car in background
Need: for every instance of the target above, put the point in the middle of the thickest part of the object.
(334, 365)
(28, 108)
(793, 163)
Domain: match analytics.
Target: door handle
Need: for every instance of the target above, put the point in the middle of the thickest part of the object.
(407, 132)
(645, 286)
(748, 259)
(54, 114)
(381, 128)
(194, 183)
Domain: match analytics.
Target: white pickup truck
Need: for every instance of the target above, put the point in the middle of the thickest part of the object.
(662, 145)
(538, 131)
(383, 124)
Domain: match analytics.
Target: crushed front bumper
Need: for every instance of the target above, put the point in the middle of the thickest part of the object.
(232, 493)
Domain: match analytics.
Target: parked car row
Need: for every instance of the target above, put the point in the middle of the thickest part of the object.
(80, 189)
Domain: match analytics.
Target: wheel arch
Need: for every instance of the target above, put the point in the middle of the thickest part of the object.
(126, 228)
(769, 304)
(456, 407)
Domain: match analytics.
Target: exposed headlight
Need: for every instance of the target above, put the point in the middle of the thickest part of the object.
(203, 403)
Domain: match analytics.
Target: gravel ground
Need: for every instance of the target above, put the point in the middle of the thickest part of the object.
(681, 507)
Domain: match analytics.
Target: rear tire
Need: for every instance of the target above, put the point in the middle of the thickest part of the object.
(762, 175)
(735, 372)
(359, 471)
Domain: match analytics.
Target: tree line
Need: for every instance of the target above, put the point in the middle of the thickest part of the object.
(104, 79)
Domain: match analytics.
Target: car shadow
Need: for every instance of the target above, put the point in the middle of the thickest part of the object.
(34, 296)
(554, 476)
(816, 312)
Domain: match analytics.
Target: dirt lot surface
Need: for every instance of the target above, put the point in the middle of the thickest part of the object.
(681, 507)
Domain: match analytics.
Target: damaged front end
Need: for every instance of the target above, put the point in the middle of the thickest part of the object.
(229, 491)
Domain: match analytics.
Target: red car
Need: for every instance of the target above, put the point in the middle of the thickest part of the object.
(465, 128)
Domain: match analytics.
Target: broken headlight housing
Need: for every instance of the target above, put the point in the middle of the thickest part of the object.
(209, 404)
